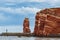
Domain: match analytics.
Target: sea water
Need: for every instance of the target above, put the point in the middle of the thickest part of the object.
(25, 38)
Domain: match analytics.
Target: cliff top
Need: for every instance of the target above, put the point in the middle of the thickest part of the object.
(52, 11)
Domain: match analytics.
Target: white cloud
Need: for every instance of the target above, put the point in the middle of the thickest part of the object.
(10, 2)
(16, 28)
(31, 0)
(53, 2)
(20, 11)
(1, 1)
(3, 18)
(23, 10)
(19, 1)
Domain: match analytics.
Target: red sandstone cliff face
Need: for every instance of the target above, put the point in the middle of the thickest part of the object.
(26, 28)
(47, 22)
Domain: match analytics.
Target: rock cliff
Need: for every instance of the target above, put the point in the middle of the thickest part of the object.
(47, 22)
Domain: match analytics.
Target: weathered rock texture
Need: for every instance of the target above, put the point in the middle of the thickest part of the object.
(47, 22)
(26, 28)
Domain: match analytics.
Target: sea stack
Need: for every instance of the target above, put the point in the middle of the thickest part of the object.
(47, 22)
(26, 28)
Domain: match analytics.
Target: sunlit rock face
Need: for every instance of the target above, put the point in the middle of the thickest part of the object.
(39, 24)
(47, 22)
(26, 28)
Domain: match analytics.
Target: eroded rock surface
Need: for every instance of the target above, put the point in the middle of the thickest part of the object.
(47, 22)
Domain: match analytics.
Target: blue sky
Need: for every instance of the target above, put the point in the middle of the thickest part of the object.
(13, 12)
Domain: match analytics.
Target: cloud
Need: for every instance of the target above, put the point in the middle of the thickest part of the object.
(16, 28)
(15, 2)
(3, 17)
(19, 1)
(32, 1)
(10, 4)
(23, 10)
(8, 15)
(53, 2)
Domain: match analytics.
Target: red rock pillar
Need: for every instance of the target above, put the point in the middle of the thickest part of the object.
(26, 28)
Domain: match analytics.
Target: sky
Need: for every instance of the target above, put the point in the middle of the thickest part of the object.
(13, 12)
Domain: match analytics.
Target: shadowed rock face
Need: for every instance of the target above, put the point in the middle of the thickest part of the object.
(26, 28)
(47, 22)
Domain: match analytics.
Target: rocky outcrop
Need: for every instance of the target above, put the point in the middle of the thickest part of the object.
(26, 28)
(39, 24)
(47, 22)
